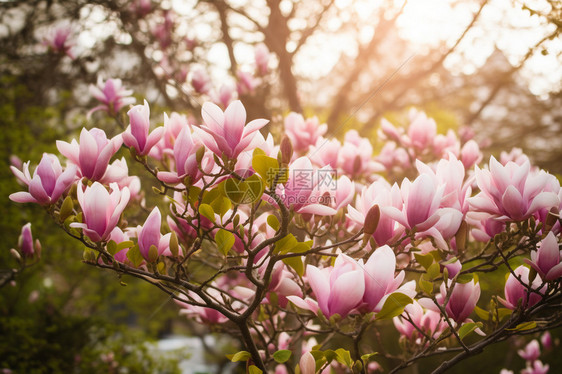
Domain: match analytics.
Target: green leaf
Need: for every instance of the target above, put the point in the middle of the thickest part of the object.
(524, 326)
(212, 195)
(366, 357)
(66, 209)
(433, 271)
(282, 356)
(464, 278)
(253, 369)
(481, 313)
(394, 306)
(111, 247)
(504, 312)
(221, 205)
(273, 222)
(207, 211)
(285, 244)
(344, 357)
(467, 328)
(239, 356)
(225, 241)
(135, 256)
(125, 244)
(425, 286)
(193, 194)
(296, 263)
(424, 260)
(330, 355)
(267, 167)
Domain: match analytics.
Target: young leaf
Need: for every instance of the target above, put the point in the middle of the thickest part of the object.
(239, 356)
(424, 260)
(282, 356)
(296, 264)
(224, 240)
(394, 305)
(273, 222)
(466, 329)
(253, 369)
(344, 357)
(207, 211)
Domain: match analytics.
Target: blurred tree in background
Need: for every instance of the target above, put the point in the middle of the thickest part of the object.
(350, 62)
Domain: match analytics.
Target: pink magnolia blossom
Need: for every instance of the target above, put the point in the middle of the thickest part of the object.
(531, 352)
(307, 364)
(356, 156)
(546, 259)
(382, 194)
(338, 289)
(93, 153)
(201, 82)
(149, 235)
(462, 300)
(515, 290)
(137, 133)
(379, 278)
(118, 236)
(484, 227)
(422, 199)
(325, 152)
(344, 193)
(111, 94)
(445, 144)
(303, 133)
(536, 367)
(227, 132)
(185, 157)
(118, 172)
(470, 154)
(225, 95)
(389, 132)
(173, 125)
(48, 183)
(428, 321)
(101, 209)
(203, 314)
(25, 242)
(261, 56)
(512, 192)
(421, 131)
(303, 190)
(546, 340)
(515, 155)
(247, 83)
(58, 40)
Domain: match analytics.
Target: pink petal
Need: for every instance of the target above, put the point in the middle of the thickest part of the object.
(22, 197)
(346, 293)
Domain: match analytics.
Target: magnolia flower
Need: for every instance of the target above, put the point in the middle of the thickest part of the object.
(325, 152)
(200, 81)
(429, 321)
(205, 315)
(101, 209)
(173, 125)
(247, 83)
(470, 154)
(382, 194)
(227, 132)
(356, 156)
(224, 96)
(48, 183)
(302, 192)
(303, 133)
(512, 192)
(546, 259)
(57, 40)
(422, 130)
(185, 156)
(379, 278)
(422, 199)
(516, 291)
(531, 351)
(338, 289)
(93, 153)
(462, 300)
(112, 95)
(25, 242)
(261, 56)
(149, 235)
(118, 236)
(137, 133)
(307, 364)
(537, 367)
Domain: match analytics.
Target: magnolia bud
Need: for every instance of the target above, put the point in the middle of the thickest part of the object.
(152, 254)
(551, 218)
(66, 209)
(357, 164)
(174, 246)
(15, 254)
(286, 149)
(371, 222)
(199, 154)
(461, 237)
